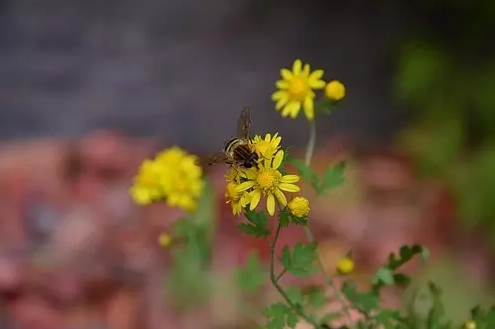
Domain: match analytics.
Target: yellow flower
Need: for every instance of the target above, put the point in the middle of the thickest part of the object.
(173, 176)
(268, 181)
(165, 240)
(470, 324)
(335, 90)
(345, 265)
(296, 90)
(238, 200)
(299, 206)
(267, 147)
(146, 188)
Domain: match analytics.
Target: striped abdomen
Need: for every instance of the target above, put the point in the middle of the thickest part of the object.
(237, 149)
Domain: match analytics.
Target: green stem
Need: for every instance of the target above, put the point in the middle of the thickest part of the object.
(275, 279)
(309, 235)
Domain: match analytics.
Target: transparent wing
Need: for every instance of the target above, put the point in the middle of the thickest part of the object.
(218, 157)
(244, 123)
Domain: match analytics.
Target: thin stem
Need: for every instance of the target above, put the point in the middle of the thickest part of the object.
(311, 143)
(280, 275)
(274, 279)
(309, 235)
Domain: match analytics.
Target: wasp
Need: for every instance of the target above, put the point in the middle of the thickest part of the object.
(237, 150)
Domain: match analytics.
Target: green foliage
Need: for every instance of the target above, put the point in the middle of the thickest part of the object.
(257, 225)
(301, 260)
(251, 276)
(285, 217)
(332, 177)
(279, 316)
(446, 81)
(191, 259)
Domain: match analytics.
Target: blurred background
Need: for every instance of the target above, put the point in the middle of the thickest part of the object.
(90, 88)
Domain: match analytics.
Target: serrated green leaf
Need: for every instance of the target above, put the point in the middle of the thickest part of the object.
(301, 261)
(257, 225)
(278, 314)
(255, 231)
(251, 277)
(285, 260)
(402, 279)
(364, 301)
(284, 218)
(306, 172)
(384, 275)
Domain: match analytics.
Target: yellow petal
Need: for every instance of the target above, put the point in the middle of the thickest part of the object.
(270, 204)
(286, 74)
(255, 199)
(318, 84)
(309, 108)
(289, 187)
(315, 76)
(244, 186)
(290, 179)
(305, 71)
(276, 141)
(279, 95)
(296, 67)
(282, 84)
(281, 197)
(293, 108)
(277, 161)
(281, 103)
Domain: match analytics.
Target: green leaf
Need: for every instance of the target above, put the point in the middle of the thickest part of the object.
(402, 279)
(406, 253)
(291, 320)
(384, 275)
(295, 295)
(251, 277)
(306, 172)
(388, 318)
(301, 261)
(280, 315)
(284, 218)
(334, 176)
(257, 225)
(328, 318)
(315, 297)
(363, 301)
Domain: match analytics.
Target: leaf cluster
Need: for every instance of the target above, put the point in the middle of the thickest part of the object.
(333, 176)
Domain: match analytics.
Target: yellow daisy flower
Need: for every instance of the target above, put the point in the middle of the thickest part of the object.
(296, 90)
(146, 188)
(238, 200)
(268, 181)
(173, 176)
(267, 147)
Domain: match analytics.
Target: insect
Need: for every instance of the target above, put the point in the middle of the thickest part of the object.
(237, 150)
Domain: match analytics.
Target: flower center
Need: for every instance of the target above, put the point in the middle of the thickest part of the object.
(268, 179)
(298, 88)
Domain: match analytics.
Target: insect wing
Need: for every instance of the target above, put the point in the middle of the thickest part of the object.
(216, 158)
(244, 123)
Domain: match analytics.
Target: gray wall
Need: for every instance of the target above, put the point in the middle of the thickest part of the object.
(181, 70)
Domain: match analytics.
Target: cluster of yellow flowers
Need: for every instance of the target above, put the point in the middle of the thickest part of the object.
(297, 90)
(173, 176)
(248, 186)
